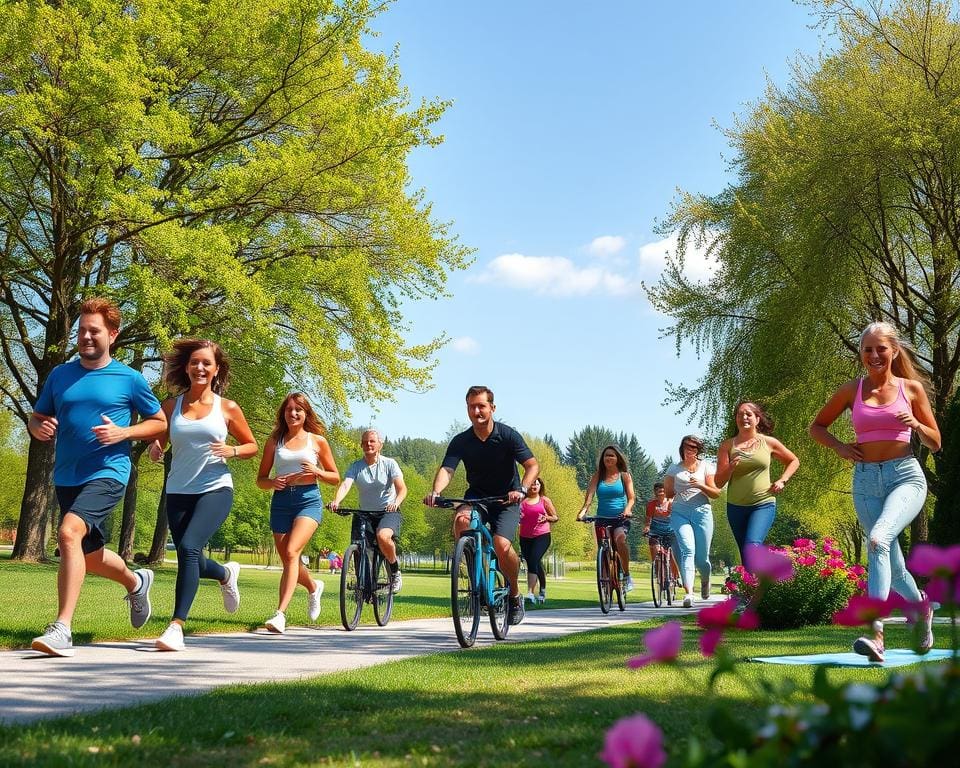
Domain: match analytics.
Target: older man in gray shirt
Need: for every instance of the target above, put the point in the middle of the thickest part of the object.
(380, 485)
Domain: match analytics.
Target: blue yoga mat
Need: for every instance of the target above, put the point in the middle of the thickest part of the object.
(895, 657)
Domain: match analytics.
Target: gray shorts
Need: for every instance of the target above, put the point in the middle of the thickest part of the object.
(92, 502)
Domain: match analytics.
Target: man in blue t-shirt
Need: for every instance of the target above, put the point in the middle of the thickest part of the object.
(490, 451)
(88, 405)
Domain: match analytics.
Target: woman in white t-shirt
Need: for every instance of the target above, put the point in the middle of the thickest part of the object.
(690, 483)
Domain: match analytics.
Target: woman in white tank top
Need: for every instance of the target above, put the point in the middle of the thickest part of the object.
(199, 488)
(298, 455)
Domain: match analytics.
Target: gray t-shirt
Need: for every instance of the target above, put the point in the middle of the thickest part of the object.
(375, 481)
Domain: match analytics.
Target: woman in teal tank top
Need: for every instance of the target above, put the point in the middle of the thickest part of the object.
(613, 487)
(744, 462)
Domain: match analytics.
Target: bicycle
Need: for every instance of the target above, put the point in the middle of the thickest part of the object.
(610, 573)
(662, 581)
(364, 576)
(476, 580)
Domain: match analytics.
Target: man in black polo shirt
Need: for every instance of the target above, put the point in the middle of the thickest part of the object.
(490, 451)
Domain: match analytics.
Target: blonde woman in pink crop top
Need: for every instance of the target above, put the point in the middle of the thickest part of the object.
(887, 406)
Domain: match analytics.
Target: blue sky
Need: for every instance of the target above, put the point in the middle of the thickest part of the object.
(572, 127)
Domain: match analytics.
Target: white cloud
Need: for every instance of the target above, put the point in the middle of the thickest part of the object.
(606, 245)
(555, 276)
(465, 345)
(653, 257)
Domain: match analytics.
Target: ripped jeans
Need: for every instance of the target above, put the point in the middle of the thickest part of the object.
(887, 495)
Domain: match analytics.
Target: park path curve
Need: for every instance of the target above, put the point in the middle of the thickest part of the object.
(117, 674)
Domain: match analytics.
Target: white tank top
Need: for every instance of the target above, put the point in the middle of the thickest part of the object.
(194, 469)
(287, 461)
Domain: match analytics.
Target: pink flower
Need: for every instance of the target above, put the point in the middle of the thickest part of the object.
(943, 591)
(634, 742)
(807, 560)
(861, 584)
(731, 585)
(826, 572)
(835, 562)
(709, 640)
(864, 610)
(857, 570)
(715, 619)
(803, 543)
(663, 644)
(763, 561)
(928, 560)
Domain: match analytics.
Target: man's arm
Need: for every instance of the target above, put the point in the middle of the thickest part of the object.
(42, 427)
(531, 469)
(150, 428)
(440, 481)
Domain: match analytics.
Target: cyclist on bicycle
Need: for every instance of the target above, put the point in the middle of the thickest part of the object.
(379, 486)
(613, 487)
(490, 451)
(657, 526)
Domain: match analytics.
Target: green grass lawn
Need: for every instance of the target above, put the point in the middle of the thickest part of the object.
(28, 601)
(544, 703)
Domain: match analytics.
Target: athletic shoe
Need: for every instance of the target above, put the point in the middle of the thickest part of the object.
(688, 601)
(313, 602)
(396, 583)
(705, 588)
(531, 597)
(278, 623)
(171, 639)
(628, 587)
(230, 589)
(139, 599)
(926, 641)
(871, 647)
(516, 612)
(56, 640)
(543, 598)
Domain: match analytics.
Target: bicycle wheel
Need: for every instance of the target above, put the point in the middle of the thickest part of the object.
(655, 568)
(620, 587)
(382, 590)
(499, 608)
(663, 578)
(351, 587)
(603, 580)
(671, 580)
(464, 593)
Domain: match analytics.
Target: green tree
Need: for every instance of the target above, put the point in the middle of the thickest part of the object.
(843, 211)
(232, 169)
(945, 526)
(567, 536)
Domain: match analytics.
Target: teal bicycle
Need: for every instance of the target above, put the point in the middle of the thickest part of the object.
(476, 581)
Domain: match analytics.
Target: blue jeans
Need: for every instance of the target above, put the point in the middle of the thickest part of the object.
(693, 527)
(887, 495)
(750, 525)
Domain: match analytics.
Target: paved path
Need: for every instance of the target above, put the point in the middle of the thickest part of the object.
(35, 686)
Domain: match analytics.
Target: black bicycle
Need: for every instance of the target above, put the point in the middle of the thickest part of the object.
(365, 575)
(611, 578)
(663, 585)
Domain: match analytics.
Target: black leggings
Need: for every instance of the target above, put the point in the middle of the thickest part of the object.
(533, 550)
(194, 518)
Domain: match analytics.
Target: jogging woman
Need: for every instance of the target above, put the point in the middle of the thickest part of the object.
(744, 461)
(199, 485)
(298, 455)
(536, 515)
(690, 483)
(613, 487)
(887, 407)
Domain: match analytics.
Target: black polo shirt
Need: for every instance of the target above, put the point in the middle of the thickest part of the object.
(491, 464)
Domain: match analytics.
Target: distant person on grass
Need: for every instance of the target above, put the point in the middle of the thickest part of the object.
(199, 484)
(613, 487)
(490, 451)
(298, 455)
(380, 485)
(536, 516)
(88, 405)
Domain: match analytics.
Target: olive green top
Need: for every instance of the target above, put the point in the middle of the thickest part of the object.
(750, 481)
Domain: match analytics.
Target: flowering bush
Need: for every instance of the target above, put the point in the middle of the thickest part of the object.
(909, 719)
(821, 585)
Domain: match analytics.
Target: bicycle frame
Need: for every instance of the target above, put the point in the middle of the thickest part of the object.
(368, 563)
(608, 572)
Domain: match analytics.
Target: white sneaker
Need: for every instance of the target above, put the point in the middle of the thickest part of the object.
(628, 587)
(397, 583)
(688, 601)
(278, 623)
(313, 602)
(531, 597)
(171, 639)
(231, 590)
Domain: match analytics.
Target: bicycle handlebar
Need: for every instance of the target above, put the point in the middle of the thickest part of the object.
(445, 502)
(344, 511)
(605, 520)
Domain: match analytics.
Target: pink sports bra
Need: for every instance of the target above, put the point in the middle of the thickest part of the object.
(873, 423)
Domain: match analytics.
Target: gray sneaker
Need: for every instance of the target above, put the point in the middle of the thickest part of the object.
(56, 640)
(396, 583)
(139, 599)
(515, 611)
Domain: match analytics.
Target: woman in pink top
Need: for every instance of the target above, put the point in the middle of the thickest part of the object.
(889, 487)
(536, 515)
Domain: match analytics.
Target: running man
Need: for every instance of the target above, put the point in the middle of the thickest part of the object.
(380, 486)
(87, 404)
(490, 452)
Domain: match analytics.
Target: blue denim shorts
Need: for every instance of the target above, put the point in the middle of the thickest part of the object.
(292, 502)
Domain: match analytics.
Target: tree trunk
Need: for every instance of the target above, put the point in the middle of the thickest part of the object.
(158, 548)
(920, 527)
(128, 523)
(36, 503)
